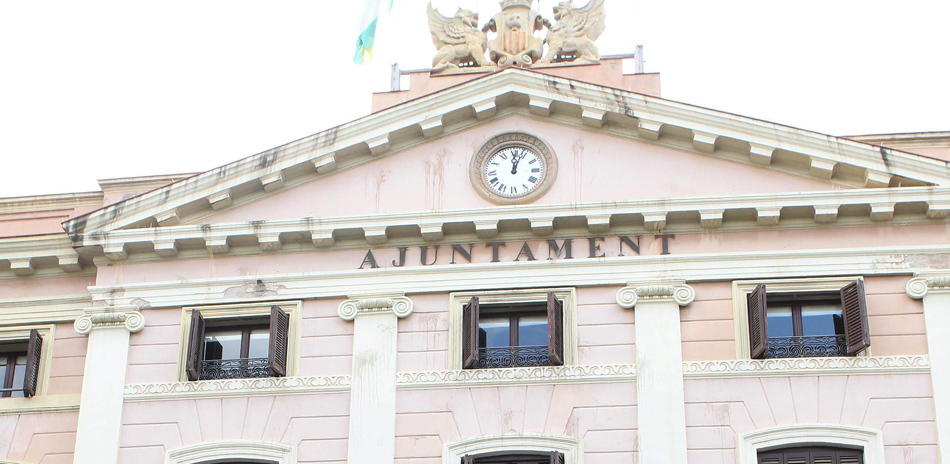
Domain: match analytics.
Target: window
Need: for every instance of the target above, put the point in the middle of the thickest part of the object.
(812, 455)
(807, 324)
(513, 335)
(551, 457)
(232, 348)
(19, 366)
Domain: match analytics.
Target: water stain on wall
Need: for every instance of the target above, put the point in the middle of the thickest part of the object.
(381, 178)
(435, 179)
(578, 150)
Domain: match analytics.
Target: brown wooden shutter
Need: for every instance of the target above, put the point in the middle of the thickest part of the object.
(758, 323)
(196, 345)
(470, 334)
(33, 356)
(557, 458)
(855, 310)
(468, 459)
(555, 330)
(279, 329)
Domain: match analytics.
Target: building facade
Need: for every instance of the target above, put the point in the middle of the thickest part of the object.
(517, 266)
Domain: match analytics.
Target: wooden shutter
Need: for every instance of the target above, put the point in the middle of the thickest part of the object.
(555, 330)
(855, 310)
(470, 334)
(758, 323)
(196, 345)
(468, 459)
(33, 355)
(279, 329)
(557, 458)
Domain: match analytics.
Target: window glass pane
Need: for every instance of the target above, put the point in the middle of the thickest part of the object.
(822, 320)
(19, 375)
(223, 344)
(260, 343)
(494, 332)
(3, 371)
(533, 330)
(780, 321)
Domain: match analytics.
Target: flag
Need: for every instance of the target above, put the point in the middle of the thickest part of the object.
(367, 30)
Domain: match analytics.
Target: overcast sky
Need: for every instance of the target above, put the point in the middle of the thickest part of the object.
(103, 89)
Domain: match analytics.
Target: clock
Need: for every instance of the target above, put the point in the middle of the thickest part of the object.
(513, 168)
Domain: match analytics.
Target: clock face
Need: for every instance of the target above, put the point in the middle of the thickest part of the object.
(514, 171)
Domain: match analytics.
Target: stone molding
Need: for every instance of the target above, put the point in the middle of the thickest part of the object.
(272, 386)
(220, 451)
(109, 317)
(670, 291)
(514, 275)
(571, 447)
(393, 122)
(920, 286)
(358, 306)
(863, 365)
(870, 440)
(516, 376)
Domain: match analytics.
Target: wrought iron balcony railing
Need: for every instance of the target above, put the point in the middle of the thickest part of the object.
(235, 369)
(807, 347)
(513, 356)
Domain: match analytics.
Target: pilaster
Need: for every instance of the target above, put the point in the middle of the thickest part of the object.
(934, 290)
(372, 438)
(661, 412)
(100, 406)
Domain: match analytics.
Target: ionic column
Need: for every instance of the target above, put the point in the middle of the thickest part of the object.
(661, 412)
(103, 382)
(372, 438)
(934, 290)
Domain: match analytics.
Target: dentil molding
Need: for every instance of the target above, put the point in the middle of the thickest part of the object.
(920, 286)
(108, 317)
(375, 304)
(669, 291)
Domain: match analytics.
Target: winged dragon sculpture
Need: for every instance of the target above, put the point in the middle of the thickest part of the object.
(575, 32)
(458, 39)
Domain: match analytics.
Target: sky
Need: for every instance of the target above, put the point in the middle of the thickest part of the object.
(100, 89)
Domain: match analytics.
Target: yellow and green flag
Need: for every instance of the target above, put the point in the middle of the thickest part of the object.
(367, 30)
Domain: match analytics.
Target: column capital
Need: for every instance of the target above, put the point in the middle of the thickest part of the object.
(398, 304)
(108, 317)
(923, 284)
(662, 291)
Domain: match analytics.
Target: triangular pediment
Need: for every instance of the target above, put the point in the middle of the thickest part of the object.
(669, 141)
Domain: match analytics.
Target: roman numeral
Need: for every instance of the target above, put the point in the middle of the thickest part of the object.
(495, 163)
(493, 181)
(524, 187)
(535, 170)
(493, 173)
(501, 188)
(535, 160)
(532, 179)
(513, 189)
(504, 156)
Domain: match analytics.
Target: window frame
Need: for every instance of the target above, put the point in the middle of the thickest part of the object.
(802, 285)
(835, 435)
(571, 447)
(457, 300)
(22, 334)
(223, 451)
(236, 312)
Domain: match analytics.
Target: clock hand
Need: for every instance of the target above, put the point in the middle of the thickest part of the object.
(515, 159)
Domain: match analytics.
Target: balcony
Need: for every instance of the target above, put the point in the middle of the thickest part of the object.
(807, 347)
(235, 369)
(513, 356)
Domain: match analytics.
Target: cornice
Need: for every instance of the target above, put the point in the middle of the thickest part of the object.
(41, 404)
(928, 283)
(273, 386)
(383, 133)
(513, 275)
(24, 253)
(49, 202)
(872, 206)
(671, 291)
(23, 311)
(807, 367)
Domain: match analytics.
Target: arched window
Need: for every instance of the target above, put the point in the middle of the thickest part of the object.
(233, 452)
(552, 457)
(812, 455)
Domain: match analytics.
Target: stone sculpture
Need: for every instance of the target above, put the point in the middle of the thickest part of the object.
(462, 45)
(572, 38)
(458, 39)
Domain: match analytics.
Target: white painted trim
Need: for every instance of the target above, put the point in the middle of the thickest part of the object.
(39, 404)
(238, 311)
(560, 375)
(572, 447)
(43, 310)
(794, 367)
(22, 333)
(237, 388)
(514, 296)
(243, 450)
(871, 440)
(518, 275)
(740, 308)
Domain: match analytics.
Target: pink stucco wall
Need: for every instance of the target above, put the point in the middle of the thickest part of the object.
(40, 438)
